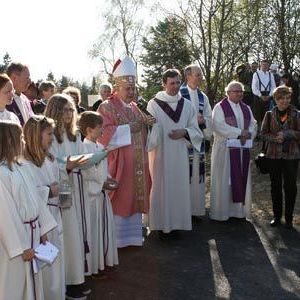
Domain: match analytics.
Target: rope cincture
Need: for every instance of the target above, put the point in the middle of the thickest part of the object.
(83, 218)
(32, 224)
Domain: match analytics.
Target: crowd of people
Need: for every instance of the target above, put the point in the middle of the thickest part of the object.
(54, 190)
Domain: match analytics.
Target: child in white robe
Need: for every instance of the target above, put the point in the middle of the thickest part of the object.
(24, 220)
(76, 220)
(38, 134)
(104, 248)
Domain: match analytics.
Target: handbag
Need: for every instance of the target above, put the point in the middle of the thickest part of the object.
(261, 161)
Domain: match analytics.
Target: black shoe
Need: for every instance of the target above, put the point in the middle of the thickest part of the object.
(289, 225)
(85, 289)
(74, 293)
(163, 236)
(275, 223)
(196, 219)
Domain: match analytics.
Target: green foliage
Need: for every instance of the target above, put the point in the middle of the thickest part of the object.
(6, 62)
(50, 77)
(165, 47)
(94, 87)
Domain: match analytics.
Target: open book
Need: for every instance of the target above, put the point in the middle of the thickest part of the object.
(93, 158)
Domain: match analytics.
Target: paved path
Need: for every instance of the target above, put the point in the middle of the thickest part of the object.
(232, 260)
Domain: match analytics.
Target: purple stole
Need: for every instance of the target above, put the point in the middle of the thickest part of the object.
(172, 114)
(238, 169)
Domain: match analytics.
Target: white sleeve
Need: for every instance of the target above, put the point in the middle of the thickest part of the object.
(207, 116)
(221, 127)
(11, 225)
(255, 85)
(192, 128)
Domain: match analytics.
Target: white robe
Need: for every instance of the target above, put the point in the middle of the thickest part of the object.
(54, 275)
(170, 204)
(221, 205)
(6, 115)
(21, 200)
(104, 250)
(198, 188)
(71, 217)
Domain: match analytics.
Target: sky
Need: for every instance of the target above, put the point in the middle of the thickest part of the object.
(53, 36)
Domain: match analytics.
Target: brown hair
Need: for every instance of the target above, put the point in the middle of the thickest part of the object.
(3, 80)
(55, 110)
(73, 91)
(33, 130)
(10, 143)
(15, 67)
(89, 119)
(170, 73)
(281, 91)
(45, 86)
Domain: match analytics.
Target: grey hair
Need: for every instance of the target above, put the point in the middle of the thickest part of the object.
(189, 69)
(105, 86)
(233, 83)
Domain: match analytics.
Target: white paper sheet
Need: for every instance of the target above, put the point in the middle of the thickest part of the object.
(236, 143)
(121, 137)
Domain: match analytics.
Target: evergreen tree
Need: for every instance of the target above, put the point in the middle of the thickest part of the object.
(50, 77)
(6, 62)
(94, 89)
(166, 47)
(64, 82)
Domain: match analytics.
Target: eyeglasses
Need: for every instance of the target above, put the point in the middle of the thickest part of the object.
(236, 91)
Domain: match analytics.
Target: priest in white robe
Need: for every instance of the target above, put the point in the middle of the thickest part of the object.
(170, 204)
(191, 91)
(230, 167)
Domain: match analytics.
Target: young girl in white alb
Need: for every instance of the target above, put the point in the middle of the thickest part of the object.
(24, 220)
(76, 220)
(38, 134)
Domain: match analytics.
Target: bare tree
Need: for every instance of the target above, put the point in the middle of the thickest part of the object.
(123, 32)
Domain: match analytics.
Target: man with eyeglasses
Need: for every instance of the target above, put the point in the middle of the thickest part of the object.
(190, 90)
(232, 121)
(170, 204)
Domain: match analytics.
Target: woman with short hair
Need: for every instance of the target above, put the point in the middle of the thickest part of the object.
(281, 131)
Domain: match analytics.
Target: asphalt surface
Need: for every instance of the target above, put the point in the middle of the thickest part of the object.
(229, 260)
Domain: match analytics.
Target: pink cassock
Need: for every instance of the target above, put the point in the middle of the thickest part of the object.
(128, 165)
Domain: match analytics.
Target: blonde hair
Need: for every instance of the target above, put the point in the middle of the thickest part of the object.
(282, 91)
(10, 143)
(73, 91)
(33, 130)
(55, 110)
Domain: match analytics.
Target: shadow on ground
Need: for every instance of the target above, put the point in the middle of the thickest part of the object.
(229, 260)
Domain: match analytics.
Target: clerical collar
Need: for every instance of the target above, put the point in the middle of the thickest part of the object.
(192, 89)
(230, 101)
(126, 104)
